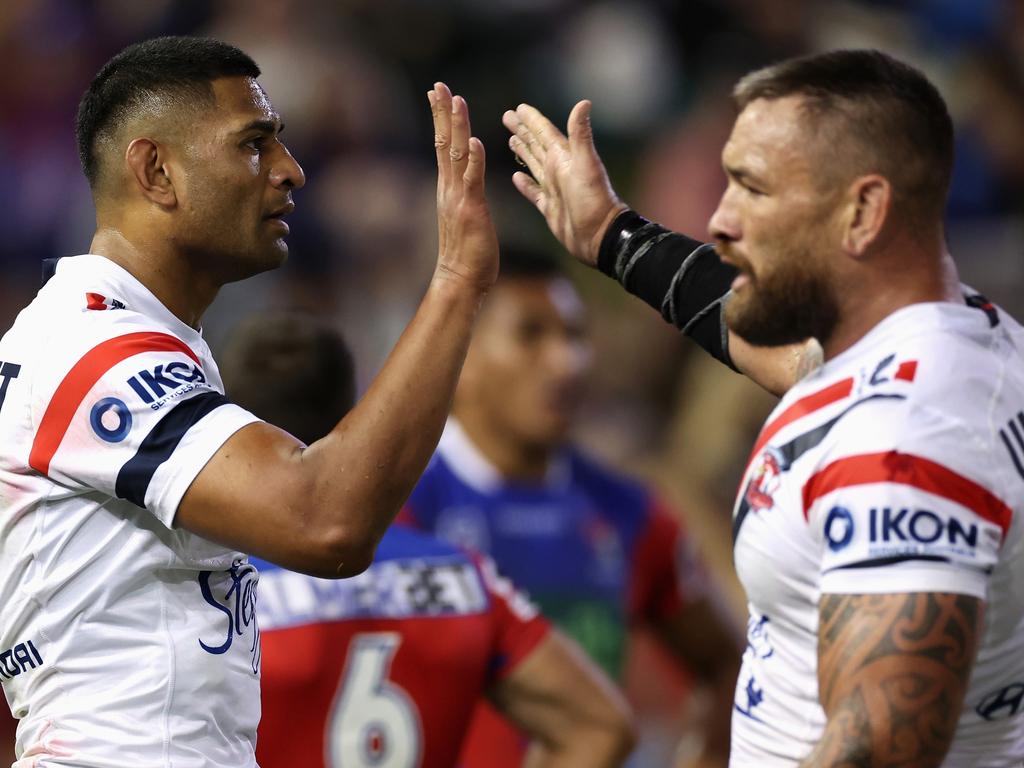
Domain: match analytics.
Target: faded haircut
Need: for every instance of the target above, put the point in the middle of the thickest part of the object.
(872, 114)
(179, 68)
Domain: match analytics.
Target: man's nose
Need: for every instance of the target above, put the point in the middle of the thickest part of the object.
(724, 223)
(287, 172)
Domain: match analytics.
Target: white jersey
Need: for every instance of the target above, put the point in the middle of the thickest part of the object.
(124, 641)
(898, 467)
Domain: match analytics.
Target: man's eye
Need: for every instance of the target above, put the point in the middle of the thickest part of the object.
(256, 144)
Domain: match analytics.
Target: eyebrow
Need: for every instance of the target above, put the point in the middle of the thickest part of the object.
(263, 125)
(741, 174)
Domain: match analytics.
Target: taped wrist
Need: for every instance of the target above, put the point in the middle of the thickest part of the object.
(682, 278)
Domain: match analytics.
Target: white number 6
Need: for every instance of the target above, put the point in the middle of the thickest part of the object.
(374, 723)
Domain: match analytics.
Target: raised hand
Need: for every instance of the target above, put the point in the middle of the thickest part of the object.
(569, 185)
(467, 242)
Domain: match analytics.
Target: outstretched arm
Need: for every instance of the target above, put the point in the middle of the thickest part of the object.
(680, 277)
(570, 710)
(892, 675)
(322, 509)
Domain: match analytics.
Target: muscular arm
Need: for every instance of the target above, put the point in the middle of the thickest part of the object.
(321, 510)
(574, 715)
(892, 675)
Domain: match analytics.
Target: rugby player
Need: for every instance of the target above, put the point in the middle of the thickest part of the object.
(875, 527)
(129, 486)
(385, 668)
(599, 552)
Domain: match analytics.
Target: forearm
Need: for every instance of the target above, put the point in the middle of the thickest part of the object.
(689, 285)
(680, 277)
(367, 466)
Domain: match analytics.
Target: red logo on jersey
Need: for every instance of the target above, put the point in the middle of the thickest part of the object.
(100, 302)
(764, 482)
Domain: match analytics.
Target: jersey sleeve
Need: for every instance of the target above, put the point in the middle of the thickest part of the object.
(903, 500)
(666, 571)
(518, 624)
(136, 416)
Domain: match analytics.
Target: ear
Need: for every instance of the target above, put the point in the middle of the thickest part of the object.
(869, 201)
(147, 165)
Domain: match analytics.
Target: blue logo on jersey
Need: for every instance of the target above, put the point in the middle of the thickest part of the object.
(838, 528)
(754, 696)
(238, 607)
(8, 372)
(920, 526)
(757, 637)
(20, 658)
(155, 384)
(1002, 704)
(111, 419)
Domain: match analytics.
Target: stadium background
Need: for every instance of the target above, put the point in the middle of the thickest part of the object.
(350, 77)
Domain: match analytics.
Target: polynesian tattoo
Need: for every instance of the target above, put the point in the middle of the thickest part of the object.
(892, 675)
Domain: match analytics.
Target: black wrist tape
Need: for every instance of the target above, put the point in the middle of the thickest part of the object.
(682, 278)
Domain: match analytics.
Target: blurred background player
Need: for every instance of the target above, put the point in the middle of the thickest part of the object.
(596, 550)
(386, 668)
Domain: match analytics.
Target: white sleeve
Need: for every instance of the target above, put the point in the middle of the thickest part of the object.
(133, 416)
(901, 502)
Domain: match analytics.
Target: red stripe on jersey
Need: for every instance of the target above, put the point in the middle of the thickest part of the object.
(82, 377)
(95, 301)
(805, 406)
(907, 469)
(907, 371)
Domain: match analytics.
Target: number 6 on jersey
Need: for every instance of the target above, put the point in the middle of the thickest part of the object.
(374, 723)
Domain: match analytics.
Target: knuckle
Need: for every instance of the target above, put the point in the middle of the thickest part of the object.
(456, 154)
(440, 140)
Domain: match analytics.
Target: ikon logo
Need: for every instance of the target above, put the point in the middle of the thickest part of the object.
(154, 384)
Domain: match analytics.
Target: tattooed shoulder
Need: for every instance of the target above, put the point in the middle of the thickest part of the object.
(892, 674)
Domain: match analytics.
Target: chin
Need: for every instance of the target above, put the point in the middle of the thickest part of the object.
(253, 264)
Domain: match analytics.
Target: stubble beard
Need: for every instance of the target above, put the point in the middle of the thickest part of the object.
(789, 304)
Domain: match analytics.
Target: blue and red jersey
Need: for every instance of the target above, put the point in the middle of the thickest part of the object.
(385, 668)
(595, 550)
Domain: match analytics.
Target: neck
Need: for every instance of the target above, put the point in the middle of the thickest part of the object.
(514, 459)
(898, 284)
(169, 276)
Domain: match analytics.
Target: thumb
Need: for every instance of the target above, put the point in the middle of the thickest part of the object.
(581, 135)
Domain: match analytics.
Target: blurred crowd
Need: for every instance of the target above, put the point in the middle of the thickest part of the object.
(350, 79)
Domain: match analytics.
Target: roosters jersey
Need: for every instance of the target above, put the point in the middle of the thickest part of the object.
(385, 668)
(897, 467)
(594, 549)
(124, 641)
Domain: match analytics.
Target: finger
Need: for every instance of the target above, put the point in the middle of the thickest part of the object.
(529, 189)
(476, 163)
(530, 143)
(441, 108)
(526, 157)
(581, 133)
(459, 151)
(543, 130)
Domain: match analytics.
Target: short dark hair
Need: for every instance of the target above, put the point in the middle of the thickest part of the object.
(180, 67)
(291, 370)
(889, 113)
